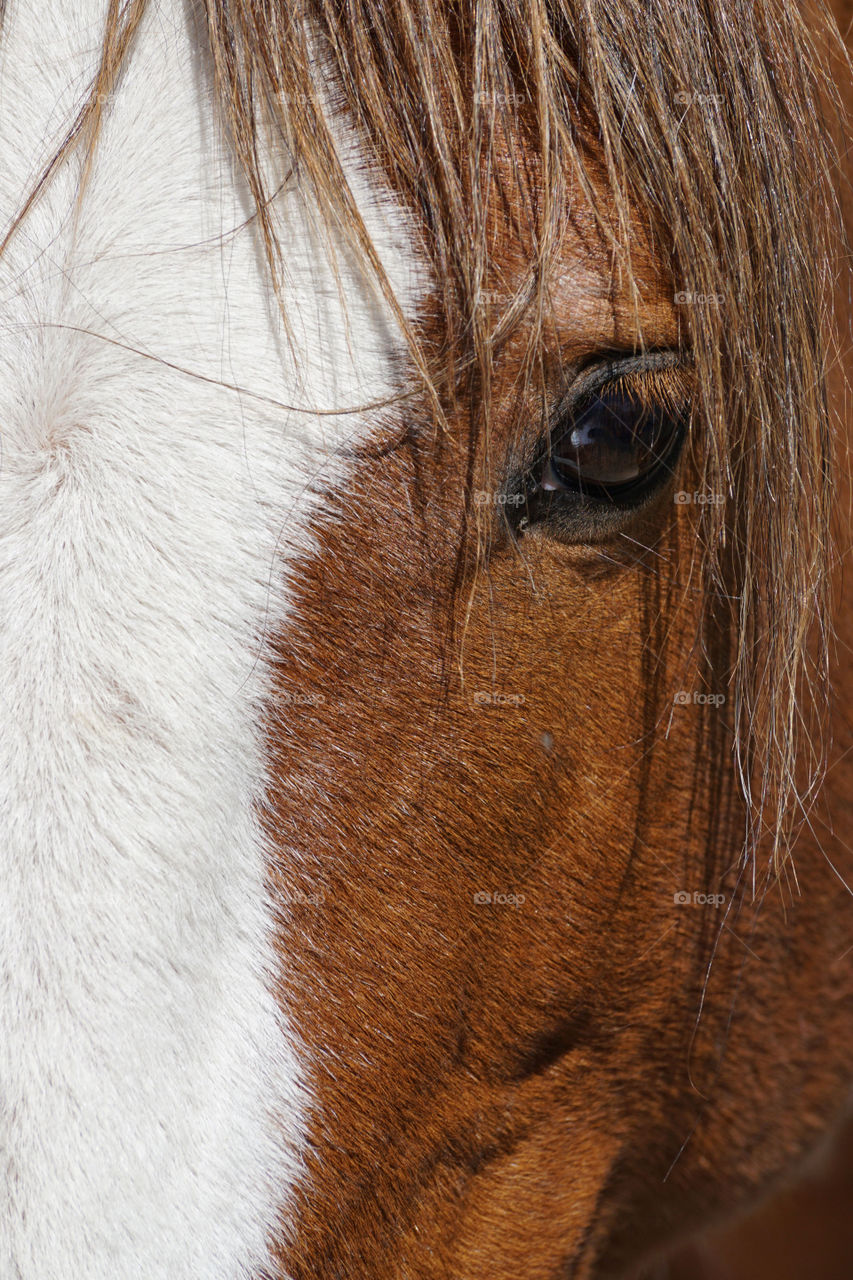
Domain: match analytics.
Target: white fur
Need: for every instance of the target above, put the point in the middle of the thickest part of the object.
(152, 1096)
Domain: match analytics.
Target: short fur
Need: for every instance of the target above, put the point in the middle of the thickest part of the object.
(346, 836)
(151, 1091)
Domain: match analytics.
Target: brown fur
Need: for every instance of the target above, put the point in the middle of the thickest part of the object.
(738, 200)
(529, 1091)
(721, 192)
(554, 1088)
(551, 1089)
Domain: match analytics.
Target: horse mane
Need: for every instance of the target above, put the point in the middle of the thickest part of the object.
(737, 192)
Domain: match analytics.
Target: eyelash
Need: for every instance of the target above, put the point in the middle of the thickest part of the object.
(617, 440)
(581, 508)
(665, 386)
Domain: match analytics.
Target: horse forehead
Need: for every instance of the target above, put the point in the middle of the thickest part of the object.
(159, 261)
(149, 516)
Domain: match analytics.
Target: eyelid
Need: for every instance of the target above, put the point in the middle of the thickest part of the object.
(594, 377)
(656, 381)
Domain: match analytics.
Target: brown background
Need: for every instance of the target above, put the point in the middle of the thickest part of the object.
(804, 1232)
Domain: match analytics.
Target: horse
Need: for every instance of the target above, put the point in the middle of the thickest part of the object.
(425, 756)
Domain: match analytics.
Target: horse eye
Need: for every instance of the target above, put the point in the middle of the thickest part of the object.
(613, 447)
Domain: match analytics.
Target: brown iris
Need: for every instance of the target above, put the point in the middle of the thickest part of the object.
(613, 445)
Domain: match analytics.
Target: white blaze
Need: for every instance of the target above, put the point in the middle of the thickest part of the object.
(151, 1095)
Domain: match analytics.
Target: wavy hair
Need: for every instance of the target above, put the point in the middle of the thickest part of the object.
(714, 120)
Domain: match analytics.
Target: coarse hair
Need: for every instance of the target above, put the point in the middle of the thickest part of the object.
(713, 121)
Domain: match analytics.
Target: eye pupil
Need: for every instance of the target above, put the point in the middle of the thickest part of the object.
(613, 445)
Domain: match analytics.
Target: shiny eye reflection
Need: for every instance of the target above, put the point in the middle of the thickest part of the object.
(614, 445)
